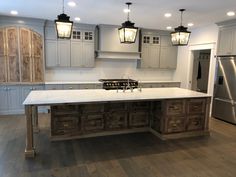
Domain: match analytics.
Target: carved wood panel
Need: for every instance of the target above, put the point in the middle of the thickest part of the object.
(3, 73)
(195, 122)
(2, 42)
(38, 74)
(139, 119)
(93, 123)
(12, 51)
(175, 107)
(25, 68)
(117, 120)
(25, 42)
(196, 106)
(175, 124)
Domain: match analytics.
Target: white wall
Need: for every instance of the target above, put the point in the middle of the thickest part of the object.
(199, 38)
(106, 68)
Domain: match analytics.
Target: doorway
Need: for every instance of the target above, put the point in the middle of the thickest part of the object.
(200, 70)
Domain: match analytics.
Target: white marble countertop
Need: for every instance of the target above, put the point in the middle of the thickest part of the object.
(48, 97)
(97, 82)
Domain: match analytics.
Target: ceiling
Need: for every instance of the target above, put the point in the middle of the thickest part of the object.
(145, 13)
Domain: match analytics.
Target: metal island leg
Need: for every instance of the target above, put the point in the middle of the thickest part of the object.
(29, 148)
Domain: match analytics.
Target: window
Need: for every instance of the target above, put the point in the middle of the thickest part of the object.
(146, 39)
(76, 35)
(156, 40)
(88, 36)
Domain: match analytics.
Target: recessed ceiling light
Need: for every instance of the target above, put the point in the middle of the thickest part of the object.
(71, 4)
(190, 24)
(126, 10)
(168, 15)
(231, 13)
(14, 12)
(169, 27)
(77, 19)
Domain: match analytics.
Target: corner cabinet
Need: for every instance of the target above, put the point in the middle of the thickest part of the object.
(21, 55)
(76, 52)
(157, 51)
(227, 41)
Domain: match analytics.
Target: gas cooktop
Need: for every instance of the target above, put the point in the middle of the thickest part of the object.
(112, 84)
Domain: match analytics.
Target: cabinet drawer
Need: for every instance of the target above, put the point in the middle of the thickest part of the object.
(87, 86)
(93, 122)
(175, 107)
(65, 125)
(139, 105)
(54, 87)
(196, 106)
(64, 109)
(195, 122)
(116, 120)
(139, 119)
(115, 107)
(175, 124)
(70, 86)
(92, 108)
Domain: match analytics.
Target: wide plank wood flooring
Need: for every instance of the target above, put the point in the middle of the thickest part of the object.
(131, 155)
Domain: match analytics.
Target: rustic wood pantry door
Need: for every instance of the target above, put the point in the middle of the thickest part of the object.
(3, 75)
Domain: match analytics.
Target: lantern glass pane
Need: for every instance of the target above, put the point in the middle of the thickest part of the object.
(64, 29)
(122, 34)
(130, 34)
(180, 38)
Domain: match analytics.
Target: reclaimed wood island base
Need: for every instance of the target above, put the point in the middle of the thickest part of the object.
(112, 113)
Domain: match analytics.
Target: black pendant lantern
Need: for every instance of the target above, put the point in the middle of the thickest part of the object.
(63, 25)
(180, 36)
(128, 32)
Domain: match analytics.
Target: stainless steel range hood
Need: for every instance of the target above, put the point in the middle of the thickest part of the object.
(109, 46)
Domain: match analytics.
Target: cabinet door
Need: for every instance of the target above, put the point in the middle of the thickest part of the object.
(25, 55)
(25, 90)
(3, 72)
(225, 41)
(145, 57)
(234, 42)
(12, 55)
(14, 98)
(88, 55)
(168, 57)
(37, 54)
(4, 100)
(51, 53)
(64, 52)
(76, 53)
(154, 56)
(166, 41)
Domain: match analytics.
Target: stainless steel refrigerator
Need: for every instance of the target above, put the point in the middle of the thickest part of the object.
(224, 103)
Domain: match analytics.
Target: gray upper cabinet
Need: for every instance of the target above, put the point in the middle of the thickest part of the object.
(51, 53)
(157, 50)
(150, 57)
(76, 52)
(82, 49)
(63, 49)
(227, 41)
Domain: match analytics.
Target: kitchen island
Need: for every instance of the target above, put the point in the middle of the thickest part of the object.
(166, 112)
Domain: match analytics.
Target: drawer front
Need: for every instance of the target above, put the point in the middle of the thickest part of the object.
(117, 120)
(115, 107)
(196, 106)
(139, 105)
(93, 123)
(54, 87)
(65, 125)
(70, 86)
(175, 124)
(64, 109)
(139, 119)
(175, 107)
(92, 108)
(195, 122)
(87, 86)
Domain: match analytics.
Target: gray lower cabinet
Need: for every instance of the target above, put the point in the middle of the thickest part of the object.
(158, 85)
(10, 99)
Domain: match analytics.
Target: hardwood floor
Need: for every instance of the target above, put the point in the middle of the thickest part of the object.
(131, 155)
